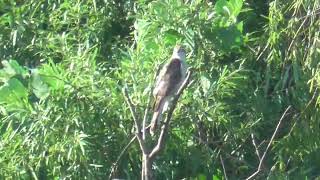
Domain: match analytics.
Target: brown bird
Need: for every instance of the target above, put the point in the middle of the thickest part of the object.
(168, 82)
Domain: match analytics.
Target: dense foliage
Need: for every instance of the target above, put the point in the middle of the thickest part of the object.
(64, 63)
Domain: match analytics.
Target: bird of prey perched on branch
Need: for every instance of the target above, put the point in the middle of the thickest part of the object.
(167, 84)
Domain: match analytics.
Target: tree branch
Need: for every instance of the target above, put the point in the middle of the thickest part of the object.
(165, 127)
(137, 126)
(255, 146)
(269, 144)
(115, 164)
(131, 107)
(146, 116)
(133, 113)
(224, 169)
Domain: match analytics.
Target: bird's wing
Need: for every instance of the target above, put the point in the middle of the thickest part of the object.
(158, 83)
(171, 78)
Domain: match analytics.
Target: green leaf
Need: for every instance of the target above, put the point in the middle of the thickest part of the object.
(205, 84)
(240, 26)
(39, 88)
(171, 36)
(236, 6)
(13, 94)
(215, 177)
(230, 8)
(221, 7)
(17, 68)
(10, 69)
(229, 38)
(5, 93)
(17, 89)
(201, 177)
(51, 75)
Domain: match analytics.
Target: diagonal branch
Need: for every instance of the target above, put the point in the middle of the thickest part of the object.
(145, 117)
(255, 146)
(134, 116)
(224, 169)
(131, 107)
(137, 126)
(165, 127)
(269, 144)
(115, 164)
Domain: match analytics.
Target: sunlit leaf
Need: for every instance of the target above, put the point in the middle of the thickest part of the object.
(201, 177)
(221, 7)
(205, 83)
(40, 89)
(10, 69)
(51, 75)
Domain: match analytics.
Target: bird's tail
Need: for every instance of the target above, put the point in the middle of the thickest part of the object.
(157, 108)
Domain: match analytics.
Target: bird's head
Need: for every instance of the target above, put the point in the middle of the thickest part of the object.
(179, 52)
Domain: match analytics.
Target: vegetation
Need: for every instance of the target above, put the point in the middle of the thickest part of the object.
(255, 74)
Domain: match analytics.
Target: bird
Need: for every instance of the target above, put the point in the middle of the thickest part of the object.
(167, 84)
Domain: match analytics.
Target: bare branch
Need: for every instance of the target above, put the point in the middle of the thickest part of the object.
(131, 107)
(134, 116)
(255, 146)
(295, 36)
(315, 94)
(224, 169)
(269, 144)
(146, 116)
(265, 48)
(313, 13)
(115, 164)
(165, 127)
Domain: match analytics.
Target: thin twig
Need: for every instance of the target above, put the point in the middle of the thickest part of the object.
(265, 48)
(137, 126)
(133, 113)
(314, 12)
(295, 36)
(304, 110)
(33, 173)
(224, 169)
(165, 127)
(130, 104)
(115, 164)
(255, 146)
(262, 143)
(269, 144)
(146, 116)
